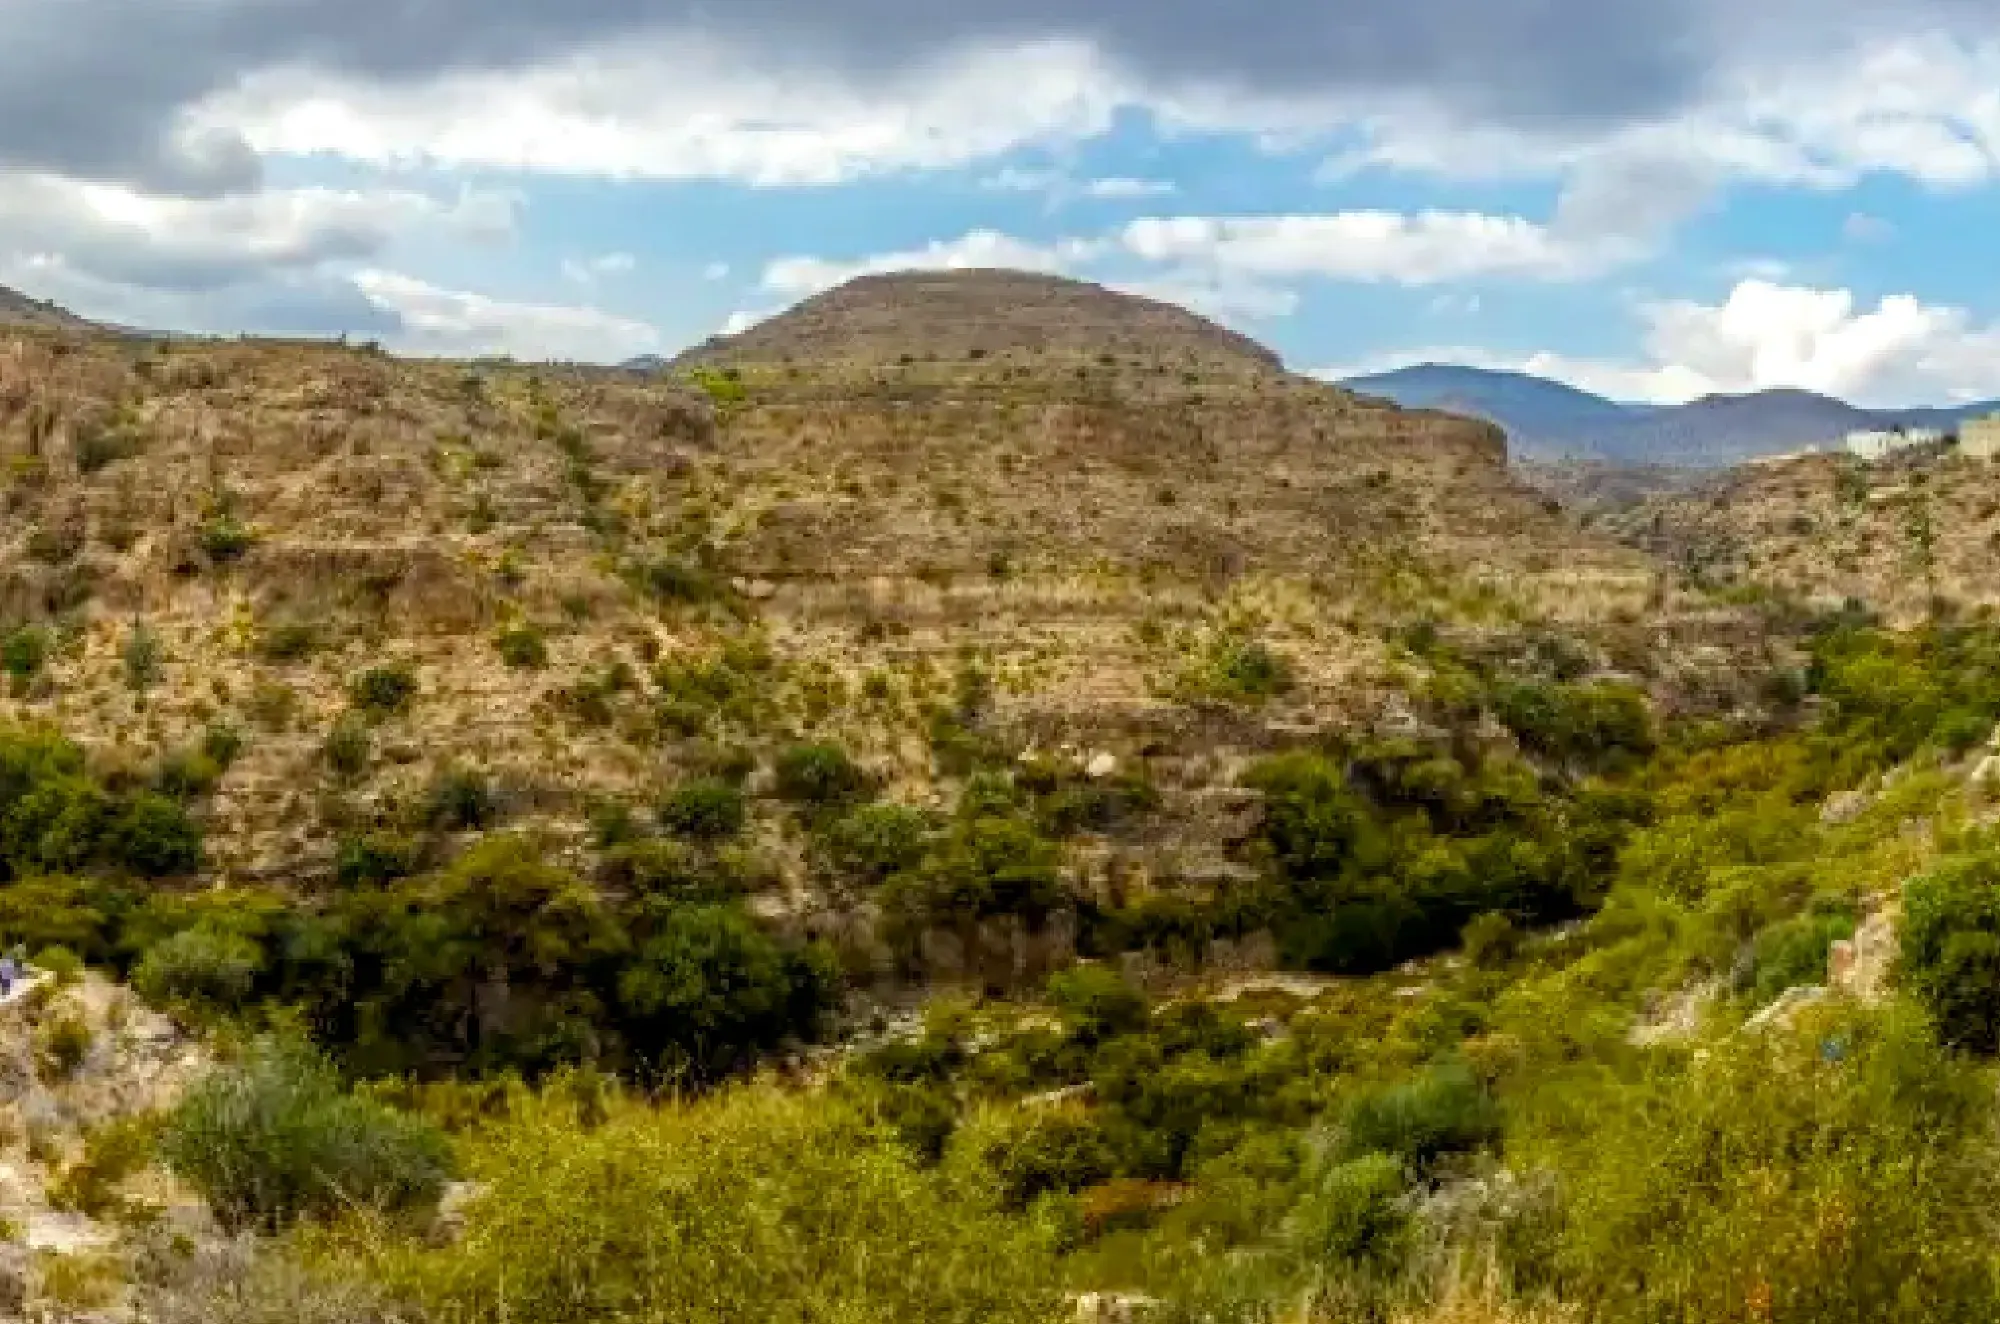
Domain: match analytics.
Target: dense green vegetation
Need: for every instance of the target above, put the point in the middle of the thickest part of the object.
(1562, 1103)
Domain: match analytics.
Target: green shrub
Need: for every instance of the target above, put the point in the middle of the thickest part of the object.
(460, 800)
(984, 865)
(1793, 952)
(1950, 949)
(384, 691)
(154, 837)
(288, 641)
(188, 773)
(707, 808)
(709, 990)
(99, 447)
(1236, 669)
(755, 1205)
(225, 538)
(1053, 1151)
(144, 658)
(275, 1138)
(1353, 1214)
(671, 579)
(875, 842)
(222, 744)
(201, 969)
(818, 774)
(1097, 1003)
(26, 651)
(1491, 940)
(112, 1153)
(652, 866)
(1590, 723)
(1839, 1171)
(1444, 1111)
(63, 1042)
(64, 966)
(374, 858)
(522, 646)
(348, 747)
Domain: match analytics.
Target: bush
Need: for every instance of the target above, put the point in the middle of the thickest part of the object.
(226, 538)
(26, 651)
(1491, 941)
(348, 747)
(1950, 949)
(374, 858)
(1793, 953)
(710, 990)
(1589, 724)
(819, 775)
(288, 641)
(1054, 1151)
(275, 1138)
(144, 658)
(874, 842)
(187, 774)
(672, 580)
(63, 1042)
(111, 1154)
(1444, 1111)
(523, 646)
(708, 808)
(460, 800)
(200, 969)
(64, 966)
(1097, 1004)
(1236, 669)
(1839, 1171)
(384, 691)
(755, 1205)
(154, 837)
(1352, 1215)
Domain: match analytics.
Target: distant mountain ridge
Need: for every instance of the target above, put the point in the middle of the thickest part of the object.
(17, 309)
(1546, 420)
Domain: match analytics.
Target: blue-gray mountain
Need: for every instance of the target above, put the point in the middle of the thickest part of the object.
(1547, 420)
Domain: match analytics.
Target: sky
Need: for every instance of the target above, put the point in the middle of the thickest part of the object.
(1652, 200)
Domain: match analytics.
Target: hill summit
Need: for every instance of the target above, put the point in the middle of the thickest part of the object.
(985, 314)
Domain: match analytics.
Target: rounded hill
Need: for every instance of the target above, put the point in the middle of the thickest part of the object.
(955, 316)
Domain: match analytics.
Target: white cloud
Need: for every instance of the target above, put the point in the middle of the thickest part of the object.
(1061, 187)
(1925, 107)
(1861, 228)
(715, 271)
(682, 111)
(458, 324)
(587, 271)
(1425, 248)
(119, 234)
(1243, 266)
(1227, 299)
(1454, 305)
(1124, 186)
(1902, 351)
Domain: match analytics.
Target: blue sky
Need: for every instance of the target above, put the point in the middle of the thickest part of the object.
(1654, 201)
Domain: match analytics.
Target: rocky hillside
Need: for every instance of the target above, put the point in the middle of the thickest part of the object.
(1825, 528)
(17, 309)
(354, 593)
(1013, 317)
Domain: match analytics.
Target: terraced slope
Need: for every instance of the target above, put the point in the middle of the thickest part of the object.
(576, 589)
